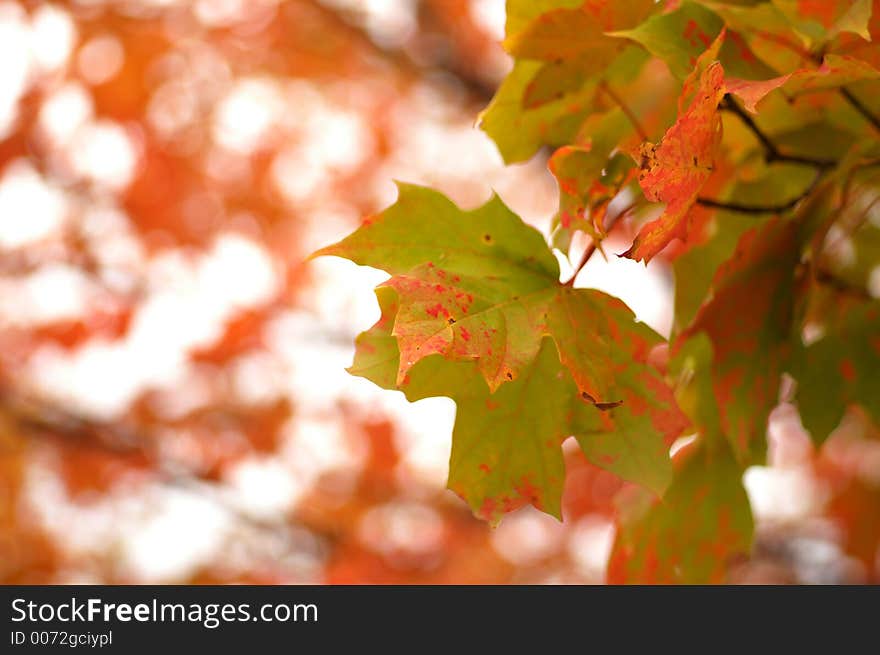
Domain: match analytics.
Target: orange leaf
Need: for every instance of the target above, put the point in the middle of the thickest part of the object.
(675, 170)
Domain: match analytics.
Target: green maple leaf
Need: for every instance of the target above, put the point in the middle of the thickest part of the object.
(589, 176)
(679, 37)
(518, 131)
(483, 286)
(473, 285)
(840, 368)
(562, 51)
(506, 446)
(472, 323)
(574, 45)
(605, 352)
(702, 526)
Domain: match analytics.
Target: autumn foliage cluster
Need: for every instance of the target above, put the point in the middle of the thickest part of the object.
(173, 404)
(737, 139)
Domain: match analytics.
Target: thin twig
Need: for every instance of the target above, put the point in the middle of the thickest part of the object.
(592, 246)
(859, 107)
(772, 153)
(749, 209)
(826, 278)
(761, 209)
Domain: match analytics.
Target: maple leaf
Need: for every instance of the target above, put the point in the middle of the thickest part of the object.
(439, 335)
(506, 446)
(579, 34)
(473, 285)
(588, 176)
(574, 45)
(835, 71)
(519, 132)
(483, 286)
(748, 319)
(839, 369)
(564, 34)
(562, 51)
(675, 170)
(474, 309)
(607, 353)
(702, 526)
(681, 36)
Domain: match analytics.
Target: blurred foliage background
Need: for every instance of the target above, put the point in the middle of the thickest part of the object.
(173, 400)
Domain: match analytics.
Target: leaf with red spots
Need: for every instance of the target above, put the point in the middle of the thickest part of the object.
(607, 351)
(699, 531)
(472, 285)
(589, 177)
(377, 355)
(754, 217)
(841, 367)
(681, 36)
(469, 318)
(675, 170)
(506, 448)
(748, 320)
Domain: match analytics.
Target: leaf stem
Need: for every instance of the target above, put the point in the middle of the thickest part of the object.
(603, 85)
(591, 247)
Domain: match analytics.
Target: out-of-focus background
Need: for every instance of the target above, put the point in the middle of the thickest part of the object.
(173, 400)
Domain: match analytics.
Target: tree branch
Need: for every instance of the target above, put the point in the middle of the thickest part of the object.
(826, 278)
(749, 209)
(481, 90)
(761, 209)
(772, 153)
(860, 107)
